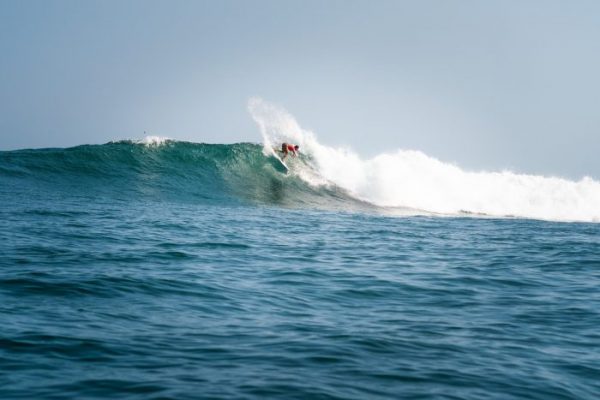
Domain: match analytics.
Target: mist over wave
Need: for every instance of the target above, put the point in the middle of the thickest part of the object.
(411, 179)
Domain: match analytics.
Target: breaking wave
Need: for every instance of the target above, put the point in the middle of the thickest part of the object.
(400, 182)
(413, 180)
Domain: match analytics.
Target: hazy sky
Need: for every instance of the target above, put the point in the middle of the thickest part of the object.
(485, 84)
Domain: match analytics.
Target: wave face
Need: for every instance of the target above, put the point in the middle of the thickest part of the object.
(413, 180)
(157, 168)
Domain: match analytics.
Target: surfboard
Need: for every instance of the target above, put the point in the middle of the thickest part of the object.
(281, 163)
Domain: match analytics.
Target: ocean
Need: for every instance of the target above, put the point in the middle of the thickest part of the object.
(162, 269)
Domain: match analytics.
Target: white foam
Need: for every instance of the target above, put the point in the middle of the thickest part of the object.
(152, 140)
(407, 178)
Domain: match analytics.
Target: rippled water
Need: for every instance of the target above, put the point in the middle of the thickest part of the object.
(113, 286)
(114, 299)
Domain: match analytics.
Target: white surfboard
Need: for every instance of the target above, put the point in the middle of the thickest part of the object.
(281, 161)
(276, 156)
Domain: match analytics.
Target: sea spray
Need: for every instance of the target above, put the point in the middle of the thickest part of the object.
(412, 179)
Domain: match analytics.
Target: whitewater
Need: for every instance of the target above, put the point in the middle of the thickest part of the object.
(413, 180)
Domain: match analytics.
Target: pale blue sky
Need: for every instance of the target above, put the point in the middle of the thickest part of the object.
(487, 85)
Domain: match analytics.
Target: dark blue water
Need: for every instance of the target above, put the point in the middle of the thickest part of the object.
(127, 273)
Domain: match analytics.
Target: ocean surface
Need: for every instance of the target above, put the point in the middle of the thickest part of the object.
(174, 270)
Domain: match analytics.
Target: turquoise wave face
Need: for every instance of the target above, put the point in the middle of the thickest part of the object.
(173, 170)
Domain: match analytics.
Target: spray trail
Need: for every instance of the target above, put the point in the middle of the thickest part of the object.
(411, 179)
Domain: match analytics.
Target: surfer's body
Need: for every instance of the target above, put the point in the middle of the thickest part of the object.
(287, 148)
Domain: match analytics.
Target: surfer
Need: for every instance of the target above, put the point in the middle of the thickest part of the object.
(287, 148)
